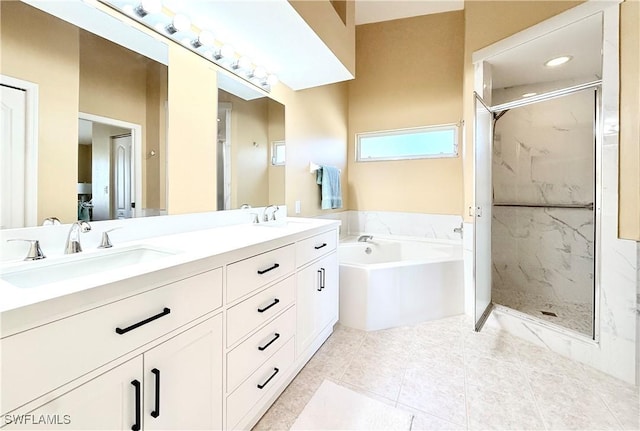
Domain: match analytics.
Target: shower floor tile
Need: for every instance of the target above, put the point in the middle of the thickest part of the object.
(464, 381)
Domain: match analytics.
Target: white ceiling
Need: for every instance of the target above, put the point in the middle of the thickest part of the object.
(524, 64)
(368, 11)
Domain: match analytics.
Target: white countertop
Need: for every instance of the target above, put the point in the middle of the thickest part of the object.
(186, 248)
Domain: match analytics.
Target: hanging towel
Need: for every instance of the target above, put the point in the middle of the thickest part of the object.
(329, 178)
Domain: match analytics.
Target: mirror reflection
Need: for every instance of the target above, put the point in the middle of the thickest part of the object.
(251, 153)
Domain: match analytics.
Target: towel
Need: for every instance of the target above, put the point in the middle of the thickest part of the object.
(329, 178)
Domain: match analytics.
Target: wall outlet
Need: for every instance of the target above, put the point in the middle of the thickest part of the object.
(297, 207)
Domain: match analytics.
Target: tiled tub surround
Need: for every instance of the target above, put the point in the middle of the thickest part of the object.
(416, 225)
(452, 378)
(543, 258)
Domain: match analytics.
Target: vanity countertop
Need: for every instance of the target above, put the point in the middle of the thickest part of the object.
(184, 254)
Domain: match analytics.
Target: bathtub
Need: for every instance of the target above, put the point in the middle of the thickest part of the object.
(393, 282)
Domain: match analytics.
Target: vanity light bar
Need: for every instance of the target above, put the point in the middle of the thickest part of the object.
(178, 27)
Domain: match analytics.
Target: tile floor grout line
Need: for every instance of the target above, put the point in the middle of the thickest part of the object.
(524, 373)
(353, 356)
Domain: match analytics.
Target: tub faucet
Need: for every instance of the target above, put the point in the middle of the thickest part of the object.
(365, 238)
(73, 239)
(459, 230)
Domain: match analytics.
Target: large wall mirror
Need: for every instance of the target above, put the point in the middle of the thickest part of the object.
(102, 113)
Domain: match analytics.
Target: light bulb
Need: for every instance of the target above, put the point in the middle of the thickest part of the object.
(205, 38)
(179, 23)
(243, 63)
(259, 73)
(272, 79)
(148, 6)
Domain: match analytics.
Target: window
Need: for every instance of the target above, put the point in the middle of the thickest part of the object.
(417, 143)
(277, 153)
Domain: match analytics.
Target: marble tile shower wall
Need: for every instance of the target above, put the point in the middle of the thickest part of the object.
(543, 258)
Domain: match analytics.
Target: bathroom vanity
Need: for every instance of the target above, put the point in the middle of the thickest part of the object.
(204, 332)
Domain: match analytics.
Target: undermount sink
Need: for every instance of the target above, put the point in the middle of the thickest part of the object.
(34, 274)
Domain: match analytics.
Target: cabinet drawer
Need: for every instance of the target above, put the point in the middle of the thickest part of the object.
(259, 384)
(41, 359)
(316, 246)
(248, 275)
(244, 359)
(258, 309)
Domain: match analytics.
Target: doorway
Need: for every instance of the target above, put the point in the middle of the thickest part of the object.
(109, 165)
(18, 153)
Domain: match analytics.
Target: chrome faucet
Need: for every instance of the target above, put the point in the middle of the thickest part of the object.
(51, 221)
(365, 238)
(73, 239)
(35, 252)
(265, 216)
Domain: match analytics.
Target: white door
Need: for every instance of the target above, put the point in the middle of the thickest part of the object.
(108, 402)
(482, 143)
(121, 176)
(12, 157)
(183, 380)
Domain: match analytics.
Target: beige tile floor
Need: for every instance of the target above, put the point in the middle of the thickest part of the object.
(452, 378)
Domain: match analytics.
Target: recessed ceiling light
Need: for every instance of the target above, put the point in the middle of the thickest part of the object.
(529, 94)
(558, 61)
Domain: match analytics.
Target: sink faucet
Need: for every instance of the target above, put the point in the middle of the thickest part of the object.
(73, 239)
(365, 238)
(265, 216)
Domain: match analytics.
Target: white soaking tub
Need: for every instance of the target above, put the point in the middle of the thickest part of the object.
(392, 282)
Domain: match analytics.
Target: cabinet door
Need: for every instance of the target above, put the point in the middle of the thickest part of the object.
(107, 402)
(316, 300)
(183, 380)
(328, 295)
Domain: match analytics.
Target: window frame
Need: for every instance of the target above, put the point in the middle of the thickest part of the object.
(274, 145)
(395, 132)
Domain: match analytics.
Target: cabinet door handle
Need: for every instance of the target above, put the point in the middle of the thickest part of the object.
(324, 278)
(318, 247)
(319, 281)
(262, 310)
(136, 385)
(275, 337)
(263, 271)
(275, 371)
(156, 411)
(164, 312)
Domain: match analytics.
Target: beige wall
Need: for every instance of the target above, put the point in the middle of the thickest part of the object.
(326, 22)
(316, 131)
(629, 214)
(48, 55)
(84, 163)
(276, 133)
(409, 75)
(482, 28)
(191, 150)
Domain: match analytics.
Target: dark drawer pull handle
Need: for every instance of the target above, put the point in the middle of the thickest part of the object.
(275, 371)
(156, 411)
(319, 280)
(136, 385)
(318, 247)
(262, 310)
(143, 322)
(263, 271)
(324, 278)
(275, 337)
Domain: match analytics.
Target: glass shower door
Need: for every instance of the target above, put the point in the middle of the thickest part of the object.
(483, 131)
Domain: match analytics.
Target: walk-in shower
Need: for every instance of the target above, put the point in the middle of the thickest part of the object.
(537, 141)
(543, 217)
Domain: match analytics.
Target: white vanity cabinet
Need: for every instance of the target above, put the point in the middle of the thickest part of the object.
(206, 349)
(176, 385)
